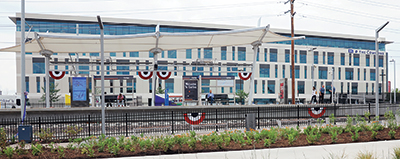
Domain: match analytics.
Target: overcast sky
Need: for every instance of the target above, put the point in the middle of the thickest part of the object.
(357, 17)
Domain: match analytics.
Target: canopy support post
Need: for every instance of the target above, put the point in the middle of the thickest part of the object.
(255, 45)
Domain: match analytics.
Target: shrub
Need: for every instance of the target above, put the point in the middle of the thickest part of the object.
(45, 135)
(3, 139)
(334, 135)
(36, 149)
(9, 152)
(373, 134)
(73, 131)
(396, 153)
(392, 134)
(61, 152)
(355, 135)
(366, 155)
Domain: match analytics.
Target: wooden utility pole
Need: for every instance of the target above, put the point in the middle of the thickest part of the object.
(292, 54)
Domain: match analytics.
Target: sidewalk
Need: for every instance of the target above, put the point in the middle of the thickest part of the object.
(381, 150)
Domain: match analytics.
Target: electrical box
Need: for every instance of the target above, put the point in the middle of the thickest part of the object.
(25, 133)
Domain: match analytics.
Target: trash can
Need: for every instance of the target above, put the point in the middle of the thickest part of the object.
(25, 133)
(250, 121)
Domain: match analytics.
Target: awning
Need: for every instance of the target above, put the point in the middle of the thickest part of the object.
(67, 43)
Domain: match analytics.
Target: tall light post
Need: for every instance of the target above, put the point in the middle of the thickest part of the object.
(394, 65)
(377, 67)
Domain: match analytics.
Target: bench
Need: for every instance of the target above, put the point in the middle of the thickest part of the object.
(110, 99)
(211, 124)
(169, 128)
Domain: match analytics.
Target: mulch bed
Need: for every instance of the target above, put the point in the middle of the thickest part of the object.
(365, 136)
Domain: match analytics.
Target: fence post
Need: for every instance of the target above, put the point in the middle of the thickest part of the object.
(334, 112)
(258, 118)
(126, 124)
(369, 110)
(40, 126)
(172, 122)
(298, 115)
(216, 120)
(89, 123)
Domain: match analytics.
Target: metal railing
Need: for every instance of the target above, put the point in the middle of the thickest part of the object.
(175, 120)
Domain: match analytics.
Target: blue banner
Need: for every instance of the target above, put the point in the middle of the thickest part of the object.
(78, 88)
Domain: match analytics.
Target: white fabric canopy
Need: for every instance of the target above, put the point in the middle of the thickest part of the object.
(64, 43)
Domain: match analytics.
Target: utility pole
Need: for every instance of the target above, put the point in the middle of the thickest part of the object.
(292, 13)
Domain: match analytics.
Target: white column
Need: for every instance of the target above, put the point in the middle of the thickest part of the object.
(47, 81)
(22, 58)
(251, 93)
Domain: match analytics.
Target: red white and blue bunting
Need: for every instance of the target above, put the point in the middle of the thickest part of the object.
(194, 118)
(163, 75)
(145, 74)
(316, 112)
(57, 74)
(244, 75)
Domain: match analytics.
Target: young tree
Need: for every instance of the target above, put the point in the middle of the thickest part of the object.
(242, 95)
(54, 96)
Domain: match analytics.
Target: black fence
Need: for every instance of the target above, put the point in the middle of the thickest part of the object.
(52, 105)
(176, 120)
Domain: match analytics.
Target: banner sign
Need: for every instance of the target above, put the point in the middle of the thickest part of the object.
(78, 88)
(191, 89)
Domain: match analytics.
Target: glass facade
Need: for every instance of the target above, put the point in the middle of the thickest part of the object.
(264, 70)
(356, 59)
(349, 73)
(367, 60)
(172, 54)
(38, 65)
(169, 85)
(188, 53)
(322, 72)
(303, 56)
(241, 53)
(133, 54)
(271, 87)
(331, 58)
(287, 56)
(315, 57)
(223, 53)
(342, 58)
(273, 55)
(208, 53)
(372, 75)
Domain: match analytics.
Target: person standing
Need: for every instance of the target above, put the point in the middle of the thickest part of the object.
(210, 97)
(333, 91)
(321, 94)
(120, 100)
(314, 95)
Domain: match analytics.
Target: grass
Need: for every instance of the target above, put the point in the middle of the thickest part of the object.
(396, 153)
(366, 155)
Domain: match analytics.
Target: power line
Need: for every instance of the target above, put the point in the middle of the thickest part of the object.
(379, 4)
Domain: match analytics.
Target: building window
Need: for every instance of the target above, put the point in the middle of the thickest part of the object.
(365, 74)
(219, 71)
(242, 53)
(296, 72)
(175, 73)
(27, 84)
(129, 83)
(374, 61)
(283, 71)
(133, 54)
(258, 54)
(380, 61)
(169, 85)
(287, 56)
(305, 72)
(124, 54)
(358, 74)
(84, 67)
(303, 56)
(66, 69)
(233, 69)
(211, 70)
(239, 85)
(162, 54)
(340, 73)
(349, 74)
(150, 85)
(266, 54)
(94, 54)
(108, 68)
(255, 86)
(356, 59)
(366, 88)
(200, 69)
(208, 53)
(342, 58)
(276, 71)
(372, 75)
(222, 90)
(37, 84)
(349, 59)
(199, 53)
(223, 53)
(273, 55)
(263, 87)
(372, 88)
(188, 53)
(172, 54)
(300, 87)
(331, 58)
(264, 70)
(113, 54)
(123, 67)
(97, 68)
(271, 87)
(323, 57)
(322, 72)
(295, 56)
(354, 88)
(367, 60)
(151, 54)
(315, 57)
(38, 65)
(233, 53)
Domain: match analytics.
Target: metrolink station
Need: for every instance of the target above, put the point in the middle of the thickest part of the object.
(48, 43)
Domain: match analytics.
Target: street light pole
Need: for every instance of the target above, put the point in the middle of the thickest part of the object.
(377, 67)
(394, 65)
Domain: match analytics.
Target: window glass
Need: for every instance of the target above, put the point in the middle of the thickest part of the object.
(38, 65)
(367, 60)
(264, 70)
(169, 85)
(188, 53)
(287, 56)
(356, 59)
(223, 53)
(342, 58)
(273, 55)
(303, 56)
(94, 54)
(315, 57)
(300, 87)
(113, 54)
(372, 74)
(242, 53)
(271, 87)
(123, 67)
(322, 72)
(133, 54)
(172, 54)
(331, 58)
(208, 53)
(233, 53)
(349, 73)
